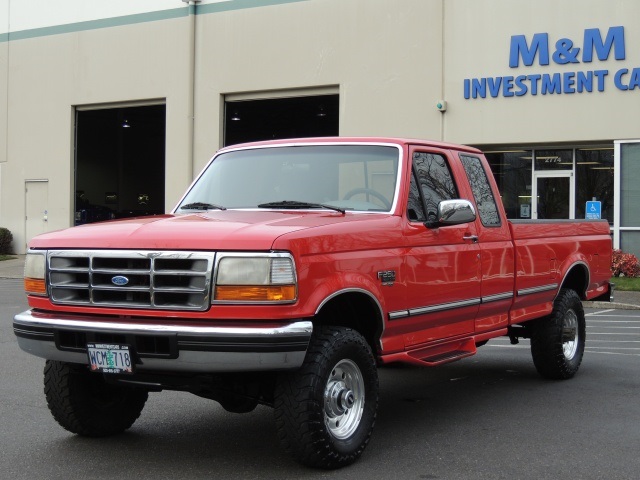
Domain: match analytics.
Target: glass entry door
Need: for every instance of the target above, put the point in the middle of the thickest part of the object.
(554, 194)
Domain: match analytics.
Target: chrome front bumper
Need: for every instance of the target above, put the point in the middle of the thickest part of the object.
(167, 346)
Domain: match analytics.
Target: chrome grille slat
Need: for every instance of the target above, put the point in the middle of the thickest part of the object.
(182, 280)
(120, 272)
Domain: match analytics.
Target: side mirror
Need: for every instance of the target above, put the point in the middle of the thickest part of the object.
(453, 212)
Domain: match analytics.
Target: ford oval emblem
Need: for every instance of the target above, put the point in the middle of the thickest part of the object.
(119, 280)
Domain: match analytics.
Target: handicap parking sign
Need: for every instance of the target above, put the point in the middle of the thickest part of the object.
(593, 211)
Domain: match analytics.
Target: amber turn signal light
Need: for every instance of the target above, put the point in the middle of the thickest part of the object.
(35, 286)
(245, 293)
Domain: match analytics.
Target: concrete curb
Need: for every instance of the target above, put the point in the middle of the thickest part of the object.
(611, 305)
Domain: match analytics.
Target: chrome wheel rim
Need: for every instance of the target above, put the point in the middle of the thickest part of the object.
(570, 337)
(344, 399)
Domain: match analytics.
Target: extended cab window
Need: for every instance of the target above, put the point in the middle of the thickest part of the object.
(481, 188)
(432, 180)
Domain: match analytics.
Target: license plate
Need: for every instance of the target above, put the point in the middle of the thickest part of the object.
(109, 358)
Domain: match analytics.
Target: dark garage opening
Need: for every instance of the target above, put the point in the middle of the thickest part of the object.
(254, 120)
(120, 163)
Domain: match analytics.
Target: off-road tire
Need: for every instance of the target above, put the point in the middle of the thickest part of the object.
(308, 402)
(557, 341)
(83, 403)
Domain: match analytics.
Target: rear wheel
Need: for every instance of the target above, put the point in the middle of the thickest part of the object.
(557, 341)
(83, 403)
(325, 412)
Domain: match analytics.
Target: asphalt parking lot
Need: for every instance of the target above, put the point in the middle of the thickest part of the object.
(486, 417)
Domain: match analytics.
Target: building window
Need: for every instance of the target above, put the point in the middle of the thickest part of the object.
(553, 160)
(512, 171)
(594, 180)
(627, 226)
(563, 181)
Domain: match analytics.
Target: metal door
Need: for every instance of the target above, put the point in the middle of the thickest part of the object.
(553, 195)
(36, 208)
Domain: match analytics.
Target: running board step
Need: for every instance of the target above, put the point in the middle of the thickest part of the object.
(445, 352)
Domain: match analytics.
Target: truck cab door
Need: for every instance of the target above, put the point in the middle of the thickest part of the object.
(442, 263)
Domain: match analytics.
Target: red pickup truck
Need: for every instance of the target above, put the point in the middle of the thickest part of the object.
(288, 273)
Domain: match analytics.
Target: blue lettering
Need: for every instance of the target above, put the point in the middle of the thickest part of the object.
(565, 52)
(601, 74)
(584, 81)
(534, 79)
(494, 86)
(521, 85)
(617, 79)
(635, 79)
(567, 82)
(507, 86)
(593, 41)
(467, 89)
(479, 88)
(520, 49)
(551, 84)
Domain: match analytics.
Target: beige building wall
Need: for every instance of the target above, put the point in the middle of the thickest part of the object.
(50, 76)
(477, 40)
(383, 57)
(4, 77)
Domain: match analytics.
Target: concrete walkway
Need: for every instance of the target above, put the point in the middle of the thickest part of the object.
(623, 300)
(12, 268)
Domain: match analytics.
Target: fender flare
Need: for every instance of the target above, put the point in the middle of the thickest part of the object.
(357, 284)
(576, 263)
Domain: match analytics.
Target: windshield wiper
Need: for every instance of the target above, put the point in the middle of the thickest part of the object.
(201, 206)
(296, 204)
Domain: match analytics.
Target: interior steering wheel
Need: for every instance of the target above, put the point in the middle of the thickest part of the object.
(369, 191)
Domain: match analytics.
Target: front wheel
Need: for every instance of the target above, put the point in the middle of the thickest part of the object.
(557, 341)
(83, 403)
(325, 411)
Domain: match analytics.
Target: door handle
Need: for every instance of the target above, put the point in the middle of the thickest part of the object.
(471, 238)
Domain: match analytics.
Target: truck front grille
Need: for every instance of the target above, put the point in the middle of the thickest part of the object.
(131, 279)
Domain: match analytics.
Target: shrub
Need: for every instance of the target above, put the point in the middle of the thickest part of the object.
(5, 241)
(624, 264)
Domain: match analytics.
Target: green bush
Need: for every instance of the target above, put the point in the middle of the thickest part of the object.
(5, 240)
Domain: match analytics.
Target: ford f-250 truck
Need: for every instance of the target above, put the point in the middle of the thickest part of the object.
(288, 273)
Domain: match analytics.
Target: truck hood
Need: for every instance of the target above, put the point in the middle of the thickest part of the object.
(214, 230)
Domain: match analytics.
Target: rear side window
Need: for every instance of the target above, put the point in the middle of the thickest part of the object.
(482, 193)
(431, 179)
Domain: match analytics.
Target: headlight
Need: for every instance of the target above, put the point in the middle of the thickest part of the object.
(34, 274)
(260, 278)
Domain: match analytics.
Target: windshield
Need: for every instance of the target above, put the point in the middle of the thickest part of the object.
(348, 177)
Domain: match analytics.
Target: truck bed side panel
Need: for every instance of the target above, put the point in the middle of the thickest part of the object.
(546, 251)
